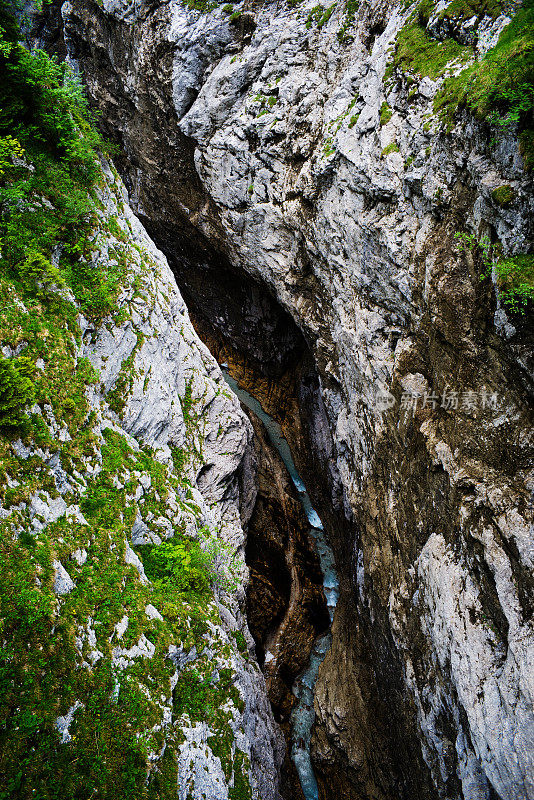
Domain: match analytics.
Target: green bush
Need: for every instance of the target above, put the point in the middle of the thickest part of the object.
(37, 274)
(515, 276)
(181, 565)
(49, 164)
(16, 391)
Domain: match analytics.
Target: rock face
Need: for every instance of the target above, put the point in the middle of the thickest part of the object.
(261, 144)
(159, 453)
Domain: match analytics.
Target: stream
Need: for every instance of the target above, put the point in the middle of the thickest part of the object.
(303, 713)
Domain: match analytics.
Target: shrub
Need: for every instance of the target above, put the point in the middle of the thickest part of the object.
(515, 276)
(37, 274)
(180, 564)
(16, 390)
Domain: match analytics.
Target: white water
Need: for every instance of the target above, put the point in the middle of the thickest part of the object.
(303, 713)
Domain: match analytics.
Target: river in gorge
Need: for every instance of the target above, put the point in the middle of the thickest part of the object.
(302, 715)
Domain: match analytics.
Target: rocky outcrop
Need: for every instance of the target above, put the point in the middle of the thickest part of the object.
(273, 147)
(152, 683)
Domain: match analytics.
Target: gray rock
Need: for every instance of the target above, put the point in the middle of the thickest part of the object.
(63, 583)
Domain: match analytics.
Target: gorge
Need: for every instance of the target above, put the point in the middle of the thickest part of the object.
(306, 211)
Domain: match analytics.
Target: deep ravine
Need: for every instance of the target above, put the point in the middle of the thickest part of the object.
(293, 163)
(303, 715)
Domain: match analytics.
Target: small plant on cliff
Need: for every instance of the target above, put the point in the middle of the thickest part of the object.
(385, 113)
(503, 195)
(514, 274)
(16, 390)
(180, 565)
(392, 147)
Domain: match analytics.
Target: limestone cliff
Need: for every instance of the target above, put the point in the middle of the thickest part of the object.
(306, 161)
(118, 680)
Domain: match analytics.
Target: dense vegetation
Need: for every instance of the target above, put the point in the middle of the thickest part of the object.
(62, 251)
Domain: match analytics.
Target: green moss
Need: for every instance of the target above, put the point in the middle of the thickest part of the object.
(241, 642)
(385, 113)
(204, 6)
(16, 391)
(179, 458)
(187, 402)
(503, 195)
(118, 396)
(467, 9)
(392, 147)
(416, 52)
(241, 790)
(351, 7)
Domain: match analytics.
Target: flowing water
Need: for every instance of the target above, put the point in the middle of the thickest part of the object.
(303, 714)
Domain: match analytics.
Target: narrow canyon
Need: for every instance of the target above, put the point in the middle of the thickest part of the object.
(275, 474)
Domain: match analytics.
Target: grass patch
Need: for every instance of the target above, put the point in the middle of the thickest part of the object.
(319, 15)
(416, 52)
(503, 195)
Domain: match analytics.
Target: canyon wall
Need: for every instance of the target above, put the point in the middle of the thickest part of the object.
(284, 146)
(124, 674)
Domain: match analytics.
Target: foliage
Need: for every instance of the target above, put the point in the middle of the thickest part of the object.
(178, 565)
(468, 242)
(467, 9)
(499, 87)
(16, 391)
(49, 164)
(385, 113)
(351, 7)
(514, 274)
(319, 15)
(123, 385)
(392, 147)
